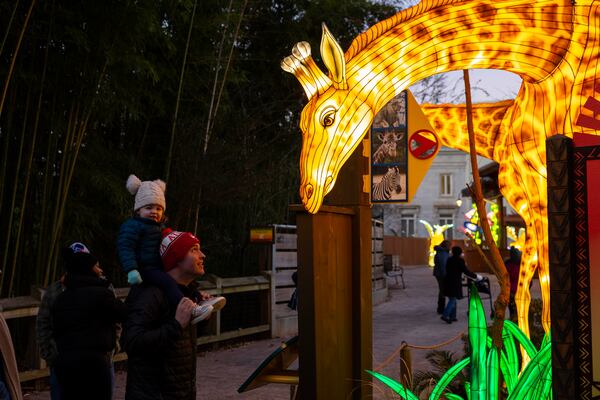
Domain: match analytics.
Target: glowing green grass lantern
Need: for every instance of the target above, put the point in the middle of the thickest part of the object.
(487, 361)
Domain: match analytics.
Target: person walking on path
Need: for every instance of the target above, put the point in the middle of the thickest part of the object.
(513, 267)
(84, 318)
(161, 342)
(455, 267)
(442, 253)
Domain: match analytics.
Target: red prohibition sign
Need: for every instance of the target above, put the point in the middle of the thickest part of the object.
(423, 144)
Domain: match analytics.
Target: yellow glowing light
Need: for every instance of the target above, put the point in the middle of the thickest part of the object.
(436, 236)
(518, 239)
(549, 43)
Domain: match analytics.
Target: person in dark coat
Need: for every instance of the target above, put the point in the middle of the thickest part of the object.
(84, 318)
(44, 333)
(161, 342)
(455, 267)
(513, 267)
(442, 252)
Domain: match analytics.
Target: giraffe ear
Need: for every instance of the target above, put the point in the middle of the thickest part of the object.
(333, 57)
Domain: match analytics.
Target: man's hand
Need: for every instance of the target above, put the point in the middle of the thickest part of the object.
(184, 312)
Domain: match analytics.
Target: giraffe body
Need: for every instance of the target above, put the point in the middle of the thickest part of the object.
(553, 45)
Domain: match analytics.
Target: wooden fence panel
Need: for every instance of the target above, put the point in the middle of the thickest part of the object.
(379, 281)
(412, 251)
(284, 321)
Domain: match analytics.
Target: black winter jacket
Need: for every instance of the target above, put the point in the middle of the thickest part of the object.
(455, 267)
(85, 314)
(161, 355)
(138, 244)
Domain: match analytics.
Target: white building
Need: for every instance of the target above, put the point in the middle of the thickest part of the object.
(435, 200)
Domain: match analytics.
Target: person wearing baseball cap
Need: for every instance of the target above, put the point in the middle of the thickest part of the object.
(161, 343)
(84, 318)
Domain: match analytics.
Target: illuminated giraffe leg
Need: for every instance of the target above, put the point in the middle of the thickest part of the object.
(544, 275)
(528, 267)
(539, 237)
(517, 198)
(525, 190)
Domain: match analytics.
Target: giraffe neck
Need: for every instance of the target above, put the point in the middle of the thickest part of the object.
(465, 35)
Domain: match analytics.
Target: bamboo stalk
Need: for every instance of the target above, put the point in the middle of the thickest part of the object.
(9, 25)
(14, 57)
(185, 55)
(61, 178)
(497, 263)
(216, 99)
(43, 217)
(28, 172)
(214, 89)
(213, 113)
(14, 196)
(80, 127)
(143, 141)
(235, 36)
(50, 160)
(7, 133)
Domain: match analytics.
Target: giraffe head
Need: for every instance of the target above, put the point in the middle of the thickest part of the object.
(389, 140)
(332, 123)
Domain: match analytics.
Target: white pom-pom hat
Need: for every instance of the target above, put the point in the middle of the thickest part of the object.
(146, 192)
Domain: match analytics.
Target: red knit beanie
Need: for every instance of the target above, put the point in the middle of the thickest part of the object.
(175, 246)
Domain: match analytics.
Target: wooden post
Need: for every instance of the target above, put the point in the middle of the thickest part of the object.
(334, 291)
(497, 263)
(405, 366)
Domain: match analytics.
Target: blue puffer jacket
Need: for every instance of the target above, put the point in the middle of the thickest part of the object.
(138, 244)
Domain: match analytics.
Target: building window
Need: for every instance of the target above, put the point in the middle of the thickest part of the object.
(446, 184)
(447, 219)
(408, 225)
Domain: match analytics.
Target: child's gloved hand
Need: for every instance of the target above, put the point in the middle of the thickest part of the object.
(134, 277)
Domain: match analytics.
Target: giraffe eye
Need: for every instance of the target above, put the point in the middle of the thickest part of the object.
(328, 117)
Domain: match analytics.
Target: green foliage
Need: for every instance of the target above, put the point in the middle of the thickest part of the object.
(486, 361)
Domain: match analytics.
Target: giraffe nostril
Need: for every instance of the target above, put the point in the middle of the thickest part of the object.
(309, 191)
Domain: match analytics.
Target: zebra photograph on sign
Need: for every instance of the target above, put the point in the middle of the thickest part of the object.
(388, 184)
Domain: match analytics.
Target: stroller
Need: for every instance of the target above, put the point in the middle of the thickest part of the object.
(483, 287)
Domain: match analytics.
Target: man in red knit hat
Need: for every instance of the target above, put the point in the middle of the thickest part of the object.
(160, 343)
(184, 248)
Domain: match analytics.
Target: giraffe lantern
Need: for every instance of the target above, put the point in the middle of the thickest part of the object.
(552, 44)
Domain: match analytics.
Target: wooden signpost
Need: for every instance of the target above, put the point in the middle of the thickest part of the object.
(334, 290)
